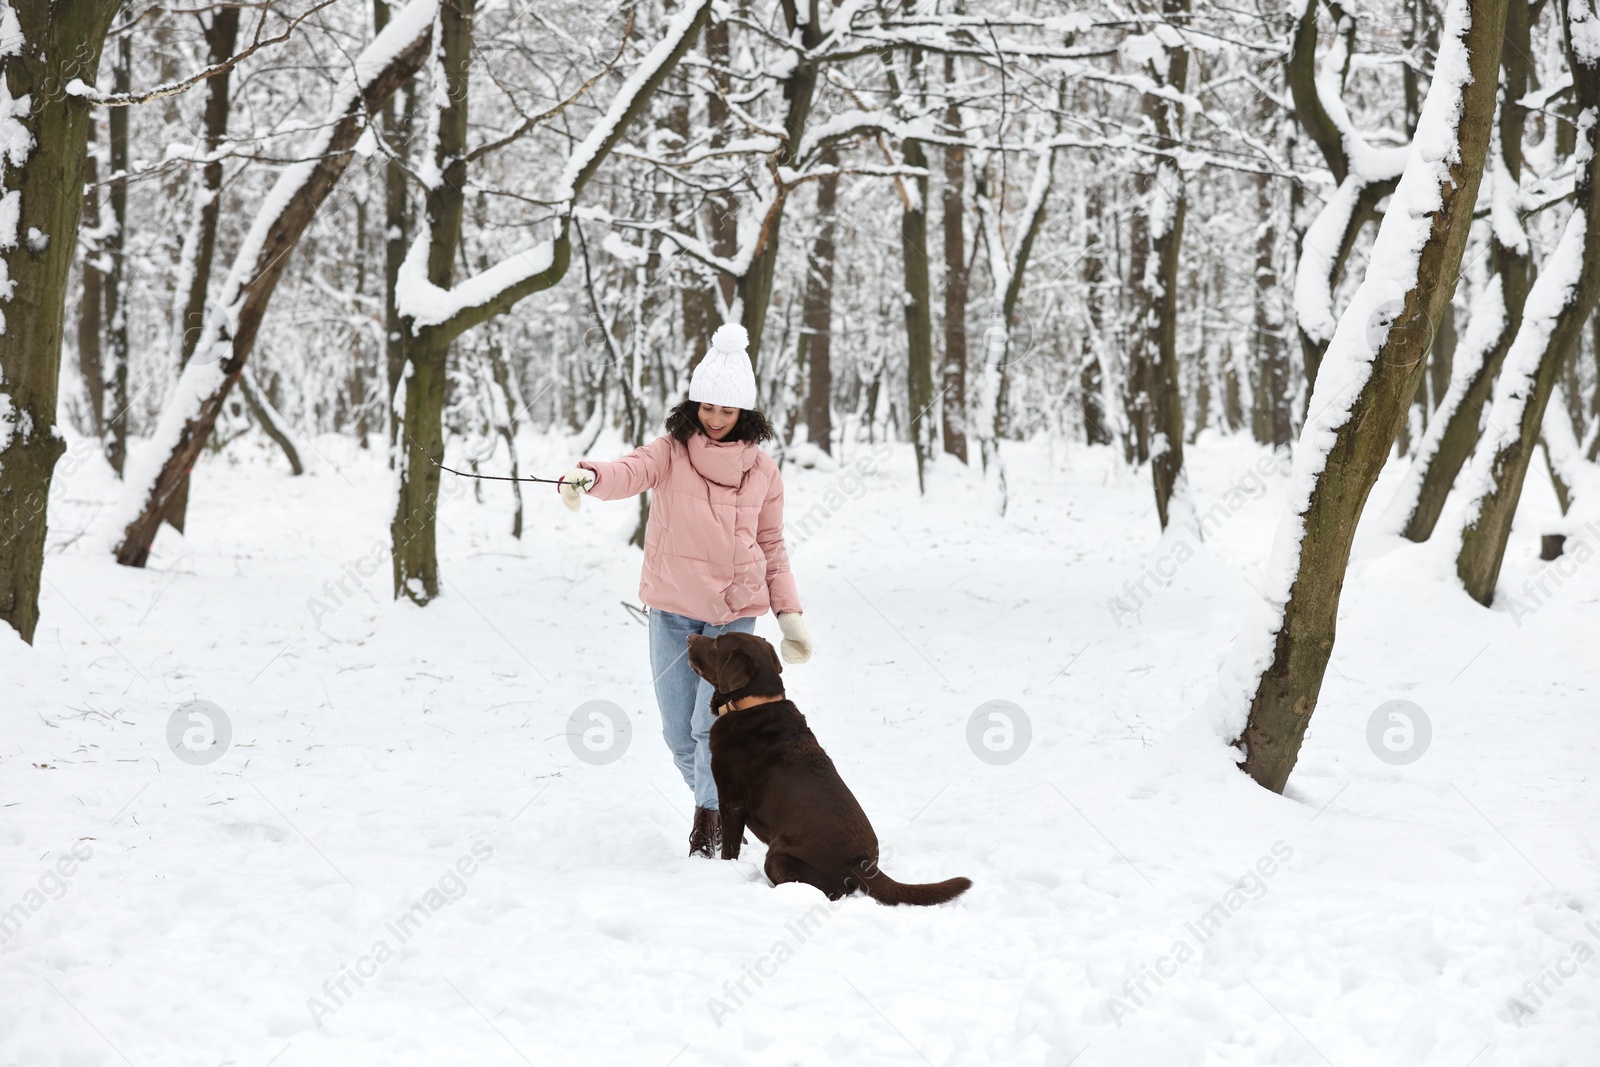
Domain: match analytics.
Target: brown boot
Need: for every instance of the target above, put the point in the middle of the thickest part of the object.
(705, 837)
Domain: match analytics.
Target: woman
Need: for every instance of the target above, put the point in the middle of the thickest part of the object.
(713, 549)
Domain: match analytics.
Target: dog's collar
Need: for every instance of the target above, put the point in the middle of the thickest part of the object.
(756, 702)
(760, 686)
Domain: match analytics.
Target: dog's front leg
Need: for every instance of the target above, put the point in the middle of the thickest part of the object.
(732, 831)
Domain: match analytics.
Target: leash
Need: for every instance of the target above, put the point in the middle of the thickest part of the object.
(480, 477)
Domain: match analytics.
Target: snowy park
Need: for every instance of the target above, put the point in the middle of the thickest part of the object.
(799, 533)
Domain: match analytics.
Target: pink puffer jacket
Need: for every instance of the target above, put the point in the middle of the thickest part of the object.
(713, 549)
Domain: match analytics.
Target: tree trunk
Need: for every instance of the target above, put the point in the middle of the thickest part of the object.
(397, 130)
(1008, 269)
(43, 177)
(271, 422)
(1270, 416)
(1360, 400)
(1136, 386)
(1453, 433)
(816, 336)
(697, 302)
(116, 366)
(724, 205)
(506, 382)
(221, 33)
(1440, 359)
(1091, 376)
(92, 300)
(1166, 206)
(956, 280)
(754, 287)
(1593, 452)
(918, 305)
(1564, 295)
(413, 529)
(230, 332)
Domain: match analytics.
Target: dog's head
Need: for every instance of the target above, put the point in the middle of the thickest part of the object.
(735, 662)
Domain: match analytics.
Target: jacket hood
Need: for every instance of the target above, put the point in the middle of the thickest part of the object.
(724, 463)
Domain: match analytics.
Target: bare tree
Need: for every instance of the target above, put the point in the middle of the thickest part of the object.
(1362, 395)
(1559, 303)
(200, 245)
(45, 47)
(816, 331)
(1363, 173)
(957, 277)
(231, 328)
(1007, 268)
(115, 366)
(1165, 202)
(1496, 314)
(437, 309)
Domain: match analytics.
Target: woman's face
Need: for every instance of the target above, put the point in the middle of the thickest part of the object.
(717, 421)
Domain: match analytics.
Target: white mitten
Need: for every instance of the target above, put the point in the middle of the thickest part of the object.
(574, 484)
(796, 647)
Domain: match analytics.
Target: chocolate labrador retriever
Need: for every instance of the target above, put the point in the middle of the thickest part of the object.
(773, 777)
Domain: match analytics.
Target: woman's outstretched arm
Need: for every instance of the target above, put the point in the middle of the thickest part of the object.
(643, 468)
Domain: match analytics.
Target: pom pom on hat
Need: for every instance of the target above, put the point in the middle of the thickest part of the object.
(731, 337)
(725, 376)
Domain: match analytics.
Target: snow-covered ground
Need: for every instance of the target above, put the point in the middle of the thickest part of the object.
(399, 858)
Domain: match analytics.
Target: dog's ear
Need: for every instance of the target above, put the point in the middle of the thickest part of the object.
(736, 668)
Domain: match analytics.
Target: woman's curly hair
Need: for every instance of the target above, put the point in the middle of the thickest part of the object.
(683, 422)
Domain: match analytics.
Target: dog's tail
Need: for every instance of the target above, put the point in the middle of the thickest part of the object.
(886, 890)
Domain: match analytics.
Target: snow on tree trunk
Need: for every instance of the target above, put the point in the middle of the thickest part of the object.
(1364, 176)
(1166, 203)
(1093, 382)
(1007, 270)
(413, 529)
(917, 294)
(1558, 305)
(43, 144)
(398, 124)
(1496, 313)
(1270, 684)
(192, 406)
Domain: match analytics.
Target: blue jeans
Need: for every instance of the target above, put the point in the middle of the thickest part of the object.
(685, 697)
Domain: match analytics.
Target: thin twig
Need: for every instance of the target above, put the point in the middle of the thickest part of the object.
(174, 88)
(534, 120)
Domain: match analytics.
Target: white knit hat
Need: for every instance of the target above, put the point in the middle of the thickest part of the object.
(725, 376)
